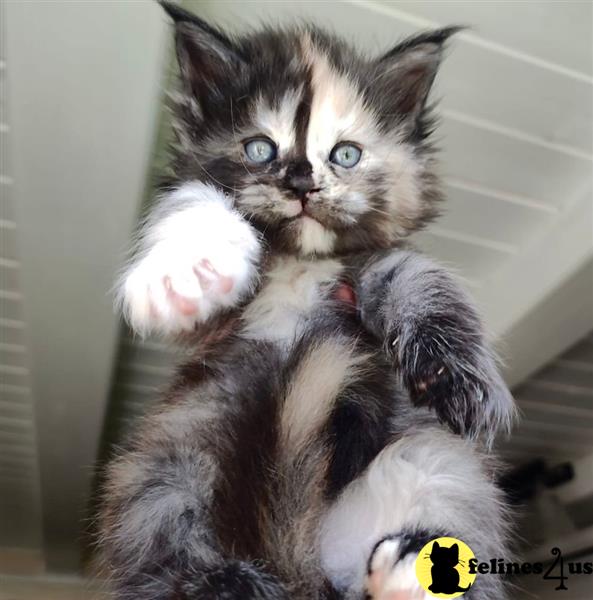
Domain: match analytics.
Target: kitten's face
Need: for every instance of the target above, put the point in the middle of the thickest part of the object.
(323, 151)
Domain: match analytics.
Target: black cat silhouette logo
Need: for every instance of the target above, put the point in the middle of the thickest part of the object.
(442, 568)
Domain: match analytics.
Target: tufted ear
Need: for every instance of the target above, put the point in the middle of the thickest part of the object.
(409, 69)
(207, 57)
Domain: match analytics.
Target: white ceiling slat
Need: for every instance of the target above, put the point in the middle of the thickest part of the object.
(19, 440)
(25, 461)
(8, 245)
(579, 419)
(557, 403)
(138, 388)
(142, 368)
(502, 163)
(482, 124)
(558, 373)
(570, 389)
(133, 379)
(12, 335)
(566, 434)
(9, 277)
(469, 260)
(530, 406)
(576, 365)
(11, 410)
(6, 207)
(471, 187)
(472, 239)
(527, 438)
(490, 218)
(582, 352)
(543, 395)
(12, 378)
(11, 309)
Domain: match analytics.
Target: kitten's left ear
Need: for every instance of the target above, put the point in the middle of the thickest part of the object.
(409, 69)
(207, 57)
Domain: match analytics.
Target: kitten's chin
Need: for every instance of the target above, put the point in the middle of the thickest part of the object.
(313, 238)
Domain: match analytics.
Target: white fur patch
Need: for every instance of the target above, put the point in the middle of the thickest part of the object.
(194, 224)
(337, 110)
(293, 287)
(328, 367)
(339, 113)
(314, 238)
(426, 481)
(278, 123)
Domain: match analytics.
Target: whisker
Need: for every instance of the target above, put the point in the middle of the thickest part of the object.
(379, 211)
(228, 187)
(236, 141)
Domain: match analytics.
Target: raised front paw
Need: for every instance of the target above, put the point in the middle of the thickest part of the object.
(391, 573)
(199, 260)
(446, 366)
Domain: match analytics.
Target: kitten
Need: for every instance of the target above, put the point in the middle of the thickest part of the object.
(311, 449)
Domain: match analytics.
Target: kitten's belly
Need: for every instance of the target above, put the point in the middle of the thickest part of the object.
(293, 290)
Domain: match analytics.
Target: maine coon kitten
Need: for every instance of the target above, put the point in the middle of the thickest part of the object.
(337, 424)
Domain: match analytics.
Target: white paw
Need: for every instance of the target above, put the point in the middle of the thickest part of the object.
(391, 577)
(200, 258)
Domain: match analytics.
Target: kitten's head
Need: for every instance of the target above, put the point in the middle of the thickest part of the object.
(325, 151)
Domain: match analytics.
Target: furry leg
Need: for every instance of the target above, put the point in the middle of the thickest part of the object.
(156, 533)
(430, 327)
(196, 256)
(426, 485)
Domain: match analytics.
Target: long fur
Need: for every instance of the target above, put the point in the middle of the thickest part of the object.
(342, 398)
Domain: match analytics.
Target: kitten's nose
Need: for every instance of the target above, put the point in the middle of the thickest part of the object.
(299, 179)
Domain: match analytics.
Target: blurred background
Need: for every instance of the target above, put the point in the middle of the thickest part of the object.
(82, 131)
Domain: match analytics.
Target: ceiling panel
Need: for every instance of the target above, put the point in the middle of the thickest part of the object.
(502, 162)
(526, 27)
(489, 218)
(556, 407)
(469, 259)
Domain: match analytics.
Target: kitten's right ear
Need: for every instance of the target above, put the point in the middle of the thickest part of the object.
(205, 55)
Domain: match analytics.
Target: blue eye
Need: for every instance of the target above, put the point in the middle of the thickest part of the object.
(345, 154)
(260, 150)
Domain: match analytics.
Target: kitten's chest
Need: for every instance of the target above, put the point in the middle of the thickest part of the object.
(294, 290)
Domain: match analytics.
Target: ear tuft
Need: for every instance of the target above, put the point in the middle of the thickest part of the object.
(177, 13)
(410, 68)
(207, 57)
(435, 38)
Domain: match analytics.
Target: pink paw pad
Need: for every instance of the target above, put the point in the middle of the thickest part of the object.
(209, 276)
(186, 306)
